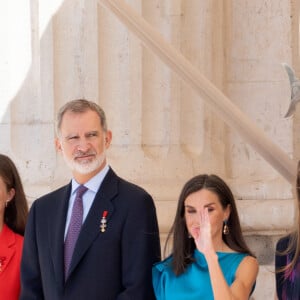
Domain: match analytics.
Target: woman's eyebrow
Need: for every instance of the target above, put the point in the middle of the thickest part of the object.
(206, 205)
(209, 204)
(190, 206)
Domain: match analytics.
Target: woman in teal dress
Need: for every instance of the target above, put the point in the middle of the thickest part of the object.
(210, 259)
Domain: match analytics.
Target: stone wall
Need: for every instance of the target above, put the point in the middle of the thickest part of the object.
(163, 132)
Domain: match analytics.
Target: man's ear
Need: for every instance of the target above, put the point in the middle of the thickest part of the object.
(108, 138)
(58, 144)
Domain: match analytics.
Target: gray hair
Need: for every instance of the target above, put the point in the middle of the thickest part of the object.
(80, 106)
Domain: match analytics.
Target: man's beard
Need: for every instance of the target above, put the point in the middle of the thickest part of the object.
(85, 166)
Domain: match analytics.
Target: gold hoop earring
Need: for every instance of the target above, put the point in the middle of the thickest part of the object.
(225, 228)
(6, 203)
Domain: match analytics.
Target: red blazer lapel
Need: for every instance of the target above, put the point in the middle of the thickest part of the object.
(7, 247)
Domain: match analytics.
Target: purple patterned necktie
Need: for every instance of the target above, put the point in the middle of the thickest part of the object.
(74, 227)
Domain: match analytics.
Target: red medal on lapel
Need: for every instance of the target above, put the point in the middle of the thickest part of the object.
(103, 221)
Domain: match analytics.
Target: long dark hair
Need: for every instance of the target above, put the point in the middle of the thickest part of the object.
(293, 247)
(15, 214)
(183, 246)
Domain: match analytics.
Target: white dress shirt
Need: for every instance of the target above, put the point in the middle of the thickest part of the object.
(88, 197)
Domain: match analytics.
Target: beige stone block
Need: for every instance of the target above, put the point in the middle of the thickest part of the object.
(266, 215)
(265, 283)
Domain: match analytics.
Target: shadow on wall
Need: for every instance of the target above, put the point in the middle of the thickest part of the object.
(27, 92)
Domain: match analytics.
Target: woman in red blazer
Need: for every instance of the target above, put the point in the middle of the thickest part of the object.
(13, 214)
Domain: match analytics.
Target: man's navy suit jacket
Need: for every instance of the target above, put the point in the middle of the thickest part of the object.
(111, 265)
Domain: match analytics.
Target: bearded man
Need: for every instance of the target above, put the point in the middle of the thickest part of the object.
(97, 237)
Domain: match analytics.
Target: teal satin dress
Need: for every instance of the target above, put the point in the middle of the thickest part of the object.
(194, 283)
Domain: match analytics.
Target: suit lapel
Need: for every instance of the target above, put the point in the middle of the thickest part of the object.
(9, 240)
(57, 230)
(91, 227)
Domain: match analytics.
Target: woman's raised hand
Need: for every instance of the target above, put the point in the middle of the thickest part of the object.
(202, 234)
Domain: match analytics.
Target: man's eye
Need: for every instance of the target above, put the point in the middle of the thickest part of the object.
(72, 137)
(92, 134)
